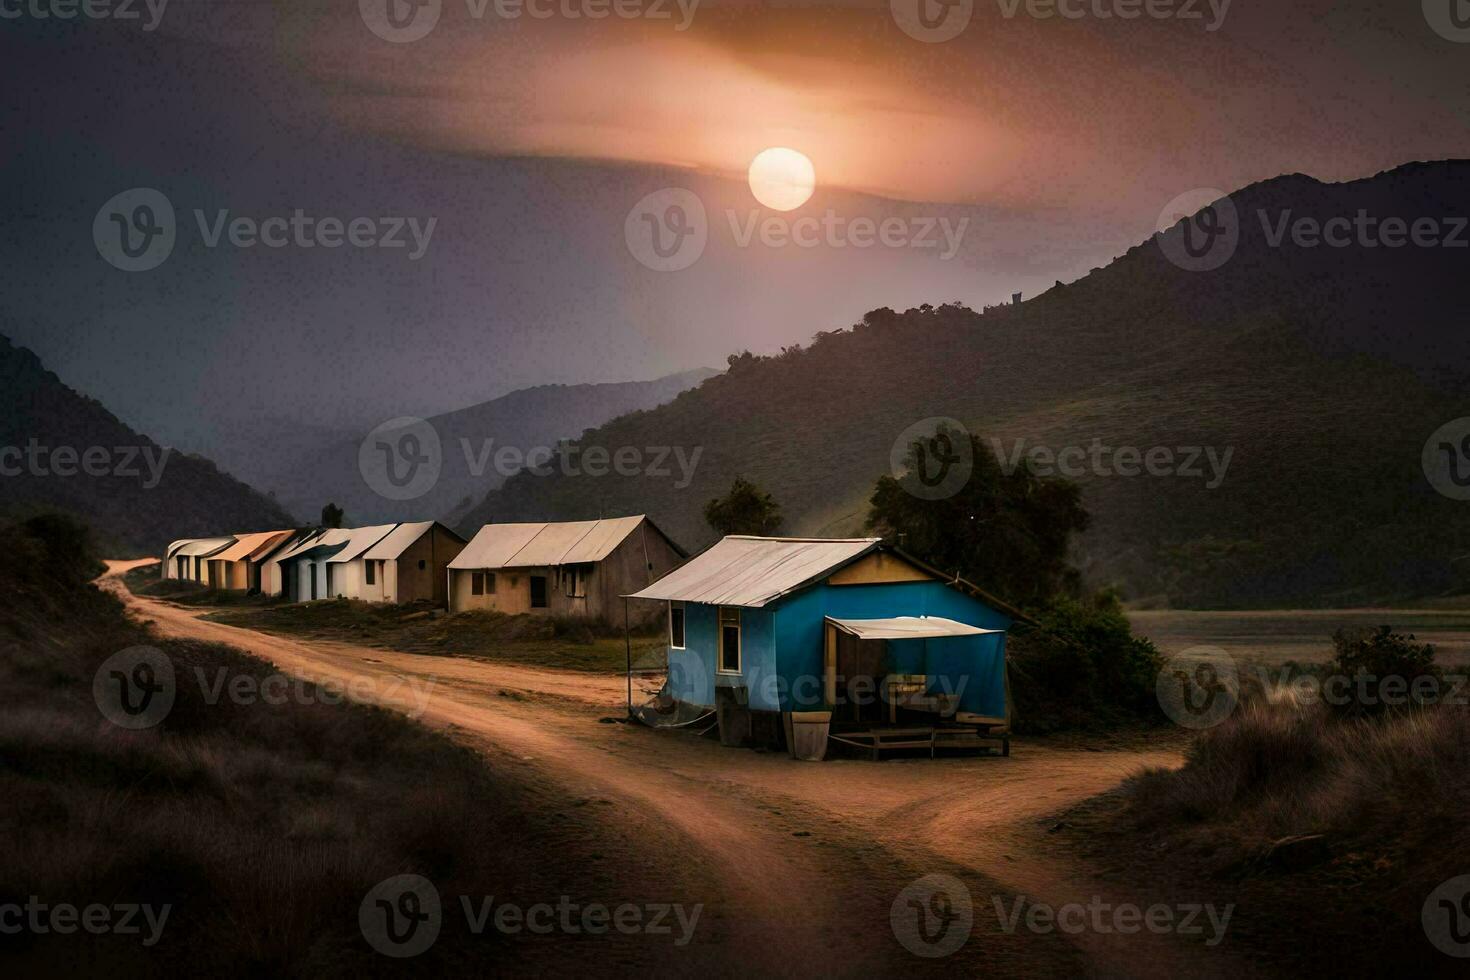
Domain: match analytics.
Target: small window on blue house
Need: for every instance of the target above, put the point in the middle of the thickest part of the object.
(729, 640)
(676, 625)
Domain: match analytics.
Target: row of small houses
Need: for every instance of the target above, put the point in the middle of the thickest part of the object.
(783, 641)
(576, 568)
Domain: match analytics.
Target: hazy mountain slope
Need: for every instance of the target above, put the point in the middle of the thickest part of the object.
(1323, 370)
(136, 495)
(308, 477)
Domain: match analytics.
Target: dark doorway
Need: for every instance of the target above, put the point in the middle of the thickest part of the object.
(861, 667)
(538, 591)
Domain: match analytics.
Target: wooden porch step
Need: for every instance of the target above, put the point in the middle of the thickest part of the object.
(877, 740)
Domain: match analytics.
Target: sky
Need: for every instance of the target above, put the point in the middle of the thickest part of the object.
(531, 152)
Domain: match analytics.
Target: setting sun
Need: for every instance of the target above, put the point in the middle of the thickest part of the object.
(782, 178)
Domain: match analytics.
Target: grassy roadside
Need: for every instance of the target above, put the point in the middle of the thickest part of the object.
(535, 641)
(1329, 835)
(261, 824)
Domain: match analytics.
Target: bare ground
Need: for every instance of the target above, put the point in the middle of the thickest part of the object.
(796, 864)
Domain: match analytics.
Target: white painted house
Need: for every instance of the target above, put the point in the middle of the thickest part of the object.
(409, 564)
(187, 558)
(302, 573)
(344, 571)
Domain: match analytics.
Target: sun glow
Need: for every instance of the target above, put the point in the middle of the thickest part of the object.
(782, 178)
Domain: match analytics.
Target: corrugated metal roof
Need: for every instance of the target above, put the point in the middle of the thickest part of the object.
(277, 541)
(360, 539)
(494, 544)
(396, 542)
(247, 544)
(551, 544)
(601, 540)
(545, 544)
(173, 546)
(328, 537)
(751, 571)
(907, 628)
(202, 547)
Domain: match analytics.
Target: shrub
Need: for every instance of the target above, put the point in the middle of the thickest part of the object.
(1380, 653)
(1082, 668)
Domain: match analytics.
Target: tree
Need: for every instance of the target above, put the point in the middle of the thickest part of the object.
(1008, 532)
(746, 509)
(332, 516)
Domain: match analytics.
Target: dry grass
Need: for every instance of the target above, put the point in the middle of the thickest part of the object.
(419, 628)
(1328, 832)
(1277, 769)
(263, 826)
(416, 627)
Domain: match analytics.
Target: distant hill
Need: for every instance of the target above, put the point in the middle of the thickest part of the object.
(313, 472)
(1323, 370)
(61, 450)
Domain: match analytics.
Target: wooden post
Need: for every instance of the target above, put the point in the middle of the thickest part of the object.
(628, 645)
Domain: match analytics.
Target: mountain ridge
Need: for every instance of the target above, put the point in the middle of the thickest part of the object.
(136, 494)
(1324, 370)
(525, 419)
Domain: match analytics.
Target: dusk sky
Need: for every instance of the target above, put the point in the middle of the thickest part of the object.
(1045, 146)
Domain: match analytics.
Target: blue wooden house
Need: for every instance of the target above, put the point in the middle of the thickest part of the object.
(802, 640)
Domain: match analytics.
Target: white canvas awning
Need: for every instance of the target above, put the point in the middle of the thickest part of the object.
(906, 628)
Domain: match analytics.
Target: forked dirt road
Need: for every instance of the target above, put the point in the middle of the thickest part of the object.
(798, 864)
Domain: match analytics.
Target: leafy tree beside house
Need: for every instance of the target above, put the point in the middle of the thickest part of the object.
(332, 516)
(746, 509)
(1009, 531)
(1077, 664)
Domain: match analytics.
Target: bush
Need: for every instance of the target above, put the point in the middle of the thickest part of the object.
(1380, 653)
(67, 544)
(1083, 668)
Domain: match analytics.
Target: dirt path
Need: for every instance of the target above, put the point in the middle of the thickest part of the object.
(806, 858)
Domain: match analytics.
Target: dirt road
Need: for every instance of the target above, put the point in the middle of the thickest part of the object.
(799, 865)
